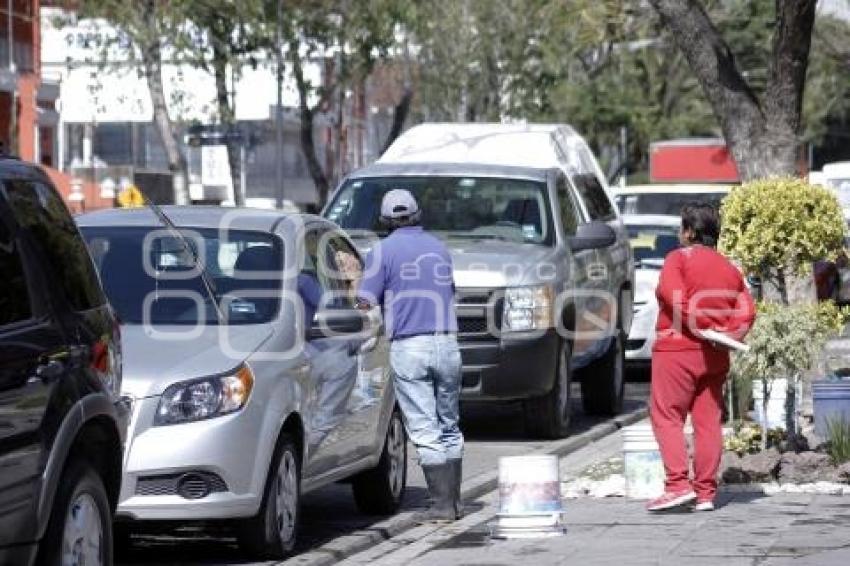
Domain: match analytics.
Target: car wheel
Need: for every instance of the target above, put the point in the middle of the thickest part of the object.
(272, 532)
(380, 490)
(549, 416)
(603, 381)
(80, 526)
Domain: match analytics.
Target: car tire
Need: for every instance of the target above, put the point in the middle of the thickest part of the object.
(80, 527)
(549, 416)
(272, 532)
(380, 490)
(603, 381)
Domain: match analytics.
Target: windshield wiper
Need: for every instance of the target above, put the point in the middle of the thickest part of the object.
(471, 236)
(205, 278)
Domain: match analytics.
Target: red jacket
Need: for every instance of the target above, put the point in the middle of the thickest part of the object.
(699, 289)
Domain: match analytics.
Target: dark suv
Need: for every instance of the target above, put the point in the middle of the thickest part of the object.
(62, 423)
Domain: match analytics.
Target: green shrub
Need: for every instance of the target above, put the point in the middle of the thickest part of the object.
(746, 438)
(838, 440)
(778, 226)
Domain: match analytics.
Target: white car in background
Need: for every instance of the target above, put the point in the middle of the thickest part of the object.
(667, 199)
(652, 237)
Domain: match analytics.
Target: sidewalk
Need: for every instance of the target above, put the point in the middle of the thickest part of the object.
(746, 529)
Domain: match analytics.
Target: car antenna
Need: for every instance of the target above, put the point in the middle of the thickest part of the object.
(208, 284)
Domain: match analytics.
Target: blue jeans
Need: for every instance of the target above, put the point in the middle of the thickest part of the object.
(426, 372)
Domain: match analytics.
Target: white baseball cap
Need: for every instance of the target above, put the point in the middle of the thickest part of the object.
(398, 203)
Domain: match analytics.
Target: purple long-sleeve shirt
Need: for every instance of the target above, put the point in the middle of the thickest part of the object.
(410, 274)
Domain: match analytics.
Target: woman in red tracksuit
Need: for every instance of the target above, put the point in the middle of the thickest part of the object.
(698, 289)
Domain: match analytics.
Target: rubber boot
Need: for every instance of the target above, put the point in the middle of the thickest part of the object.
(457, 479)
(439, 480)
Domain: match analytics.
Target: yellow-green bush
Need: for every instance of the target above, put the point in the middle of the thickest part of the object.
(779, 226)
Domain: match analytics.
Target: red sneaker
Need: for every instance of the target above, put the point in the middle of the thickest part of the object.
(670, 500)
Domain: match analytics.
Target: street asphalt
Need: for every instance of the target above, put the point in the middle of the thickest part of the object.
(332, 529)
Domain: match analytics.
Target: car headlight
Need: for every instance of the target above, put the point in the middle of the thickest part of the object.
(527, 308)
(205, 398)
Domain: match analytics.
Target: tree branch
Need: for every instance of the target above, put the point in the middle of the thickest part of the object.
(712, 61)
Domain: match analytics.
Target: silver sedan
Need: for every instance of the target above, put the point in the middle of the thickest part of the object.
(253, 378)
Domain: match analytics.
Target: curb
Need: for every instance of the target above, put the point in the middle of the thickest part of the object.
(473, 488)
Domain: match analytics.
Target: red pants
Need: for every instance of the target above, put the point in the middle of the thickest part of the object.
(683, 382)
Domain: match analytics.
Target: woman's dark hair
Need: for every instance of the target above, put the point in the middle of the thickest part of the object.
(704, 221)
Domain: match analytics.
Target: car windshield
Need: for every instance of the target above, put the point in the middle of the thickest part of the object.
(651, 244)
(664, 203)
(150, 276)
(480, 208)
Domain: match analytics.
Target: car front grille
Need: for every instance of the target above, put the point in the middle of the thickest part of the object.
(479, 314)
(188, 485)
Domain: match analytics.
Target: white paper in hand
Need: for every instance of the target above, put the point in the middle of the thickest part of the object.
(724, 340)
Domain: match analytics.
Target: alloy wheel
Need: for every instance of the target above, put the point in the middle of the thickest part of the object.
(286, 497)
(82, 538)
(396, 454)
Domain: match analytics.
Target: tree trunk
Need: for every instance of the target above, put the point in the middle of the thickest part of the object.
(762, 135)
(400, 112)
(765, 399)
(228, 120)
(791, 411)
(152, 63)
(308, 145)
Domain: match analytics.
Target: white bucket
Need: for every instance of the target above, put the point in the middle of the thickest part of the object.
(529, 498)
(775, 417)
(644, 469)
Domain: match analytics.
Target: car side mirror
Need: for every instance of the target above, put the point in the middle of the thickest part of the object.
(592, 236)
(332, 323)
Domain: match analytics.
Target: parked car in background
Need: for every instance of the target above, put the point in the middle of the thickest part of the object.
(62, 422)
(666, 199)
(652, 238)
(245, 397)
(536, 245)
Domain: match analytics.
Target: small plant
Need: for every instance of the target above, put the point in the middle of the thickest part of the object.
(746, 438)
(785, 341)
(838, 440)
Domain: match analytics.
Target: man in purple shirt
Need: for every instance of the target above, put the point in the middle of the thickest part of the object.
(410, 274)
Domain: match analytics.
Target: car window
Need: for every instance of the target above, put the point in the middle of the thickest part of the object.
(651, 243)
(150, 275)
(666, 203)
(569, 215)
(468, 208)
(347, 268)
(15, 304)
(593, 194)
(39, 209)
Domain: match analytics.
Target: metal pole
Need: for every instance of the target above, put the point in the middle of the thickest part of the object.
(278, 115)
(13, 95)
(243, 174)
(624, 154)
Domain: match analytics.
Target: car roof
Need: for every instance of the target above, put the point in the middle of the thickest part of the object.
(190, 217)
(535, 145)
(450, 170)
(651, 220)
(672, 188)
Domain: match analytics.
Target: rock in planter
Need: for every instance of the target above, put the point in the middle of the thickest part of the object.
(806, 467)
(751, 468)
(844, 472)
(731, 470)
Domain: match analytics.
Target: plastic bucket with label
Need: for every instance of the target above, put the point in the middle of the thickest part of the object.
(529, 498)
(644, 469)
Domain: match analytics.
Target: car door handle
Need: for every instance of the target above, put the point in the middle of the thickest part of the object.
(48, 371)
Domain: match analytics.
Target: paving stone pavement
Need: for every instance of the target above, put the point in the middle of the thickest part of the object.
(746, 529)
